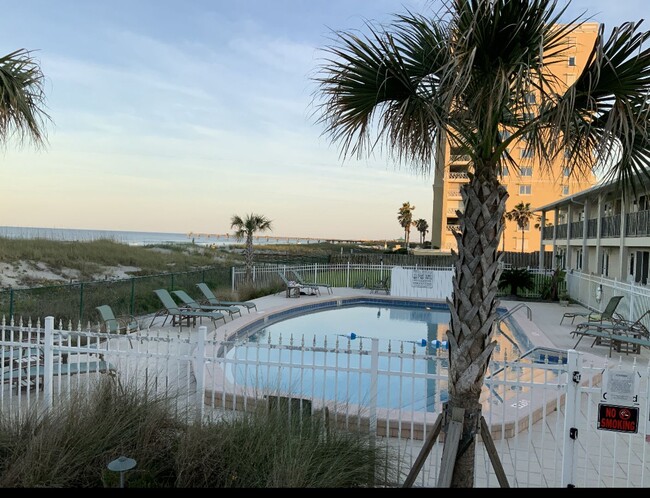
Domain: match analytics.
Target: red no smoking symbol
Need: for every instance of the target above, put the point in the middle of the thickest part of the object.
(625, 414)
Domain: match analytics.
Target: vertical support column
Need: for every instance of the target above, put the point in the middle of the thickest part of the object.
(232, 278)
(571, 408)
(542, 221)
(585, 254)
(556, 214)
(599, 227)
(48, 363)
(569, 252)
(621, 242)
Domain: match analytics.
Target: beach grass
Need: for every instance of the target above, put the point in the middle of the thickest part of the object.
(71, 445)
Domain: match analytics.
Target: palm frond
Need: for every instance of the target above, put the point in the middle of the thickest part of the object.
(22, 99)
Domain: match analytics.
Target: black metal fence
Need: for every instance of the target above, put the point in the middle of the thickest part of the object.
(77, 302)
(510, 259)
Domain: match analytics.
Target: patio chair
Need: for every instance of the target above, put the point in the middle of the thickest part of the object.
(294, 289)
(607, 315)
(212, 299)
(381, 285)
(116, 324)
(300, 280)
(191, 303)
(178, 314)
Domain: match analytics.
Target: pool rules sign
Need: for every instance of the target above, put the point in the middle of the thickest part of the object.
(619, 407)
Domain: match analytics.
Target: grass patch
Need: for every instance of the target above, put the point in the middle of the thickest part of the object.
(71, 446)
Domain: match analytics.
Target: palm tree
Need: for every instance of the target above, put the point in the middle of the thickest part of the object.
(422, 226)
(22, 100)
(463, 75)
(521, 214)
(246, 228)
(405, 218)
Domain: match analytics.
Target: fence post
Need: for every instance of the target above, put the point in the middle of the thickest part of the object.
(570, 434)
(374, 373)
(48, 363)
(347, 277)
(199, 372)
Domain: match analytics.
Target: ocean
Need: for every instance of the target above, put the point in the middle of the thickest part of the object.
(140, 238)
(124, 237)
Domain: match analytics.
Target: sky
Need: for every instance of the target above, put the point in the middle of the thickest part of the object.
(175, 115)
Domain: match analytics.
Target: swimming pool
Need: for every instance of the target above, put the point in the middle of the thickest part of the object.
(324, 352)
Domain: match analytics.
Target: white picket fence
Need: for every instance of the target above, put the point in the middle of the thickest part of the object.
(542, 410)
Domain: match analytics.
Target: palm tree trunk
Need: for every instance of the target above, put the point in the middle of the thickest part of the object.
(249, 258)
(473, 309)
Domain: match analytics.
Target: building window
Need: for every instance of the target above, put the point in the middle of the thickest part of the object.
(525, 189)
(526, 171)
(566, 171)
(528, 116)
(572, 61)
(565, 190)
(604, 267)
(641, 267)
(504, 171)
(578, 259)
(526, 153)
(504, 134)
(530, 98)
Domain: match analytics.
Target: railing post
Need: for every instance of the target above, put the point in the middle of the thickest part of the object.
(48, 363)
(199, 372)
(232, 278)
(570, 433)
(347, 277)
(374, 374)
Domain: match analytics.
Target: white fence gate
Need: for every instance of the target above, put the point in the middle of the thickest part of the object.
(542, 409)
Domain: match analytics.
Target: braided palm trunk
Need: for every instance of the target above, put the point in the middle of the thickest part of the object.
(249, 258)
(473, 309)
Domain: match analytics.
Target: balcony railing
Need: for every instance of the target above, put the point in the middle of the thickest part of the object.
(457, 175)
(592, 229)
(454, 158)
(610, 226)
(561, 231)
(453, 193)
(451, 211)
(453, 228)
(637, 224)
(576, 229)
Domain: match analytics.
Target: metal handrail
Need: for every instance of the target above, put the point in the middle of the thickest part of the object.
(510, 312)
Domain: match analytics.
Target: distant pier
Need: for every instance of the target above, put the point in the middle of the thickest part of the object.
(271, 239)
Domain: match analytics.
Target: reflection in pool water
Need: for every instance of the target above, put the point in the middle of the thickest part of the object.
(337, 344)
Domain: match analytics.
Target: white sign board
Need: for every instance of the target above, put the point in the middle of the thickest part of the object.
(620, 387)
(422, 279)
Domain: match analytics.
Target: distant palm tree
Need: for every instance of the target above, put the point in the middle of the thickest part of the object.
(22, 100)
(405, 218)
(463, 75)
(246, 228)
(521, 214)
(422, 226)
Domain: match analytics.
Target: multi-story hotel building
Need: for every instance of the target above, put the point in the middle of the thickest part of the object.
(529, 184)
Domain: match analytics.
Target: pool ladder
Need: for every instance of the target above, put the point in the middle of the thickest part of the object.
(529, 314)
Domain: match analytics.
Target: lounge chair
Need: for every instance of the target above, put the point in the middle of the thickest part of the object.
(178, 314)
(381, 285)
(300, 280)
(191, 303)
(116, 324)
(622, 335)
(215, 301)
(607, 315)
(294, 289)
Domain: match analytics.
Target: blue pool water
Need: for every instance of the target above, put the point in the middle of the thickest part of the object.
(415, 330)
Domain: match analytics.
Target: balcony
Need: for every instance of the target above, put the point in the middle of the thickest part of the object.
(453, 228)
(459, 158)
(458, 175)
(453, 194)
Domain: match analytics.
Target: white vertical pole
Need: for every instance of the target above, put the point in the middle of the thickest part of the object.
(48, 362)
(232, 278)
(347, 278)
(199, 372)
(570, 433)
(374, 374)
